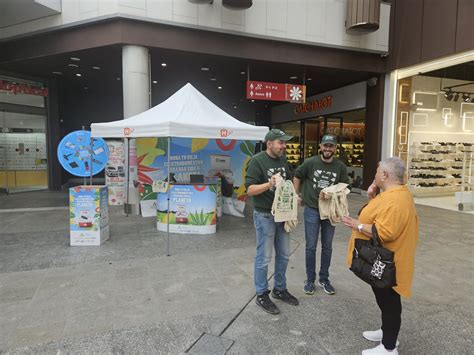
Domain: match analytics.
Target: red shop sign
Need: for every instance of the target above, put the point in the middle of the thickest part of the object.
(260, 90)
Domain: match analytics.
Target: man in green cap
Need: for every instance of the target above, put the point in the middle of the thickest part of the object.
(315, 174)
(260, 180)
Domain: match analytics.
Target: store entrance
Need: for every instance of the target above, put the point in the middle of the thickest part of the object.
(23, 154)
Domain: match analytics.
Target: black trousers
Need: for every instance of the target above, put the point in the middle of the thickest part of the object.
(391, 306)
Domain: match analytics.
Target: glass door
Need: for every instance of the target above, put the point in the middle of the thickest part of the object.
(23, 153)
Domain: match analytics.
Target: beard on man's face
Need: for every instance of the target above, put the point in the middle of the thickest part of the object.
(327, 154)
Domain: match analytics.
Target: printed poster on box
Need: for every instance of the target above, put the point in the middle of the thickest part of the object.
(224, 158)
(88, 215)
(192, 209)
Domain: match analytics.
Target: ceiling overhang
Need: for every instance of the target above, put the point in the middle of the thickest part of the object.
(15, 12)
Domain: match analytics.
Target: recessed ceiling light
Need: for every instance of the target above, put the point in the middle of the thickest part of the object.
(163, 65)
(293, 77)
(96, 68)
(78, 74)
(309, 79)
(235, 106)
(219, 87)
(155, 82)
(73, 65)
(213, 79)
(75, 59)
(242, 72)
(57, 72)
(205, 69)
(253, 100)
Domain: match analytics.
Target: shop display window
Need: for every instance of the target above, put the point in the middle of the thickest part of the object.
(434, 133)
(293, 147)
(23, 152)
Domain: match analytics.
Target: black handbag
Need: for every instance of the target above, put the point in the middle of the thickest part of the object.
(373, 263)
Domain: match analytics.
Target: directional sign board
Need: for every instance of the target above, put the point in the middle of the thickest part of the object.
(259, 90)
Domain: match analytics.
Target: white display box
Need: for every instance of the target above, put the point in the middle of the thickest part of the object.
(88, 215)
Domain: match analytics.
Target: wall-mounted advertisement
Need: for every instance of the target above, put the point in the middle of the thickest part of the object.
(223, 158)
(192, 209)
(88, 215)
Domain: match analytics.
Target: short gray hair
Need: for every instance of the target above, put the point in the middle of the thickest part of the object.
(395, 167)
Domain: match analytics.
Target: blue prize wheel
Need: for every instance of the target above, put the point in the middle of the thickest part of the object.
(74, 154)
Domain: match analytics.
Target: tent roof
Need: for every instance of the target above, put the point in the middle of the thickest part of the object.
(187, 113)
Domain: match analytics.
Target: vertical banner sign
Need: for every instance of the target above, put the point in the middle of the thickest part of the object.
(88, 215)
(115, 172)
(223, 158)
(260, 90)
(133, 194)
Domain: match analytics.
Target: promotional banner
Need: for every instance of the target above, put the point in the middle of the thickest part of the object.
(88, 215)
(192, 209)
(115, 172)
(223, 158)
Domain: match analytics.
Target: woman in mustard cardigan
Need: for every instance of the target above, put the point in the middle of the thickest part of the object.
(393, 213)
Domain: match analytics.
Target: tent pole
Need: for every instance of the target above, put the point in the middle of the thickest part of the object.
(92, 152)
(127, 159)
(85, 177)
(168, 198)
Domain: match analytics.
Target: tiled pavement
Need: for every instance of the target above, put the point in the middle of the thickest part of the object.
(128, 296)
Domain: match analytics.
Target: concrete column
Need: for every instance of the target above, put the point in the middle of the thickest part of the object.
(373, 130)
(136, 99)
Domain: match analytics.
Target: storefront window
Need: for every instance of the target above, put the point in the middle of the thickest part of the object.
(293, 147)
(348, 127)
(23, 155)
(434, 133)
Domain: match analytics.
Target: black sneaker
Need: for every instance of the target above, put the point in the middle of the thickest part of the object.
(265, 303)
(285, 296)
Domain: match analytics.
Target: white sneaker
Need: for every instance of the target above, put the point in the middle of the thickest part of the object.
(379, 350)
(375, 335)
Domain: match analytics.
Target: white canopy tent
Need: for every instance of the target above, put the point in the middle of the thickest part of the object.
(187, 113)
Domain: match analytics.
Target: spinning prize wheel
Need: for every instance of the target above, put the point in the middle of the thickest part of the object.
(74, 154)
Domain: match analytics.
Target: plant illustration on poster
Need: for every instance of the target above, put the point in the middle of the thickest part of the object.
(222, 158)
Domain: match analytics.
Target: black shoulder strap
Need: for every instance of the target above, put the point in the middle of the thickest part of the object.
(375, 236)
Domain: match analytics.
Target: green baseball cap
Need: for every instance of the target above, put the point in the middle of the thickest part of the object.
(277, 134)
(329, 139)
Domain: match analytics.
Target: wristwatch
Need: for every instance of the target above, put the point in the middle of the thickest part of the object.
(360, 227)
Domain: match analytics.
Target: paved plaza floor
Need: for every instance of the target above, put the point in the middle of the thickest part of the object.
(127, 296)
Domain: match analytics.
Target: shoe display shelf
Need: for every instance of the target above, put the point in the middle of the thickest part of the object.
(293, 153)
(436, 168)
(355, 153)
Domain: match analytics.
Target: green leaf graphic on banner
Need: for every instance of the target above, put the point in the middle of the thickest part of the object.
(247, 148)
(213, 188)
(162, 144)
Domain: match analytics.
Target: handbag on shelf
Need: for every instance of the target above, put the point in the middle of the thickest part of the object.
(373, 263)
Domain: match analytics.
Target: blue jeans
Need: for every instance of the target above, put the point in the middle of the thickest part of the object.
(312, 224)
(270, 234)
